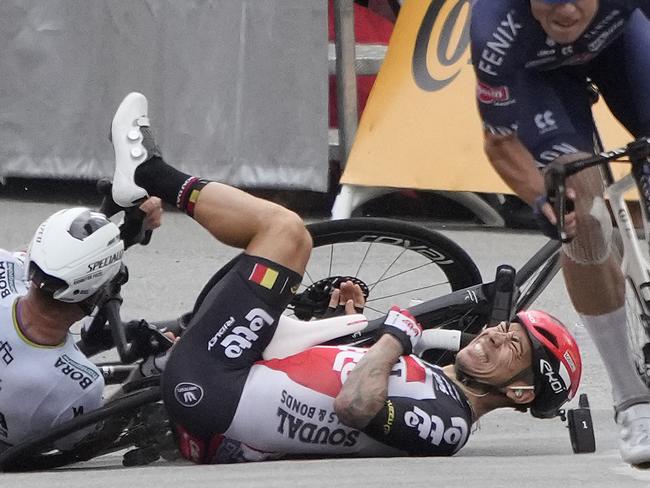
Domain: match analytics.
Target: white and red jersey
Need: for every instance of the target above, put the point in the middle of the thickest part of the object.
(286, 409)
(40, 386)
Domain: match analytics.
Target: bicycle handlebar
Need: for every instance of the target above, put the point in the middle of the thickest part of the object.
(556, 173)
(555, 184)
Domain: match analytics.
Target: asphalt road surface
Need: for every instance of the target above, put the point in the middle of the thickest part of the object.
(507, 449)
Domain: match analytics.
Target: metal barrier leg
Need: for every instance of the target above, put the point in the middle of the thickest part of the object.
(485, 212)
(352, 196)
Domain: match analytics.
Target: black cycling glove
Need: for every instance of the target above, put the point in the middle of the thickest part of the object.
(548, 229)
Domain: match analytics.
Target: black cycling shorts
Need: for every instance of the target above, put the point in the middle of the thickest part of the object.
(207, 369)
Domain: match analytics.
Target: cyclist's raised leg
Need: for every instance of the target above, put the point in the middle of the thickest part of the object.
(207, 369)
(260, 227)
(234, 217)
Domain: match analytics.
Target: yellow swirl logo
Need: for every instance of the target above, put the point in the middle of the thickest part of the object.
(441, 44)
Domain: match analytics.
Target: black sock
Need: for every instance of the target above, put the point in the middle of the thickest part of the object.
(170, 185)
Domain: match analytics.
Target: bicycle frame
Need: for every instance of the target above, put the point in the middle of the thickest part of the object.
(634, 265)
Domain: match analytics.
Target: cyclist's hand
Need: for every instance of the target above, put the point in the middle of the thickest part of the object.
(348, 300)
(402, 325)
(171, 336)
(152, 207)
(547, 220)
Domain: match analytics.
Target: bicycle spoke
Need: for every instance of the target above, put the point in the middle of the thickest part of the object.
(363, 261)
(388, 268)
(404, 292)
(383, 280)
(311, 280)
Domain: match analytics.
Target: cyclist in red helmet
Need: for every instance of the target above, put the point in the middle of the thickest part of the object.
(553, 367)
(230, 402)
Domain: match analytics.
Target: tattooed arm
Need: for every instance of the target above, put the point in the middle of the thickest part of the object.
(366, 388)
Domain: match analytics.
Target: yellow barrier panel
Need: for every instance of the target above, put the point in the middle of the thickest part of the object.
(420, 128)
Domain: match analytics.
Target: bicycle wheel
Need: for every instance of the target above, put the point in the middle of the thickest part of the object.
(394, 262)
(535, 275)
(136, 419)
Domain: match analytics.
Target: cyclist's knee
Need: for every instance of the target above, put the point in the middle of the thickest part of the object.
(593, 241)
(294, 228)
(288, 233)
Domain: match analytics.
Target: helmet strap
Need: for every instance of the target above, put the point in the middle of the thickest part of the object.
(524, 373)
(471, 382)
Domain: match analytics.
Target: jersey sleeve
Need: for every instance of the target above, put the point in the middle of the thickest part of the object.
(13, 278)
(90, 400)
(494, 64)
(421, 427)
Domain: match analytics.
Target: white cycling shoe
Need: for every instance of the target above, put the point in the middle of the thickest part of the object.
(634, 442)
(133, 145)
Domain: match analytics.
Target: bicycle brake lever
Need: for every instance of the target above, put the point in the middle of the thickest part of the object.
(146, 339)
(555, 184)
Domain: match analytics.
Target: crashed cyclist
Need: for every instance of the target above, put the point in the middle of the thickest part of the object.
(533, 60)
(230, 405)
(44, 378)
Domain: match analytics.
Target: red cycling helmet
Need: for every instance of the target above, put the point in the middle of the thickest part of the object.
(557, 365)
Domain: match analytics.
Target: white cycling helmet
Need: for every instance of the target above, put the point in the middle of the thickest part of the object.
(74, 253)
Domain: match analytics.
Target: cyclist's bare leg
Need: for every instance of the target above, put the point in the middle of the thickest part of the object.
(262, 228)
(597, 289)
(589, 258)
(594, 300)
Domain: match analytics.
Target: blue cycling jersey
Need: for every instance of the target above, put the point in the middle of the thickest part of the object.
(529, 84)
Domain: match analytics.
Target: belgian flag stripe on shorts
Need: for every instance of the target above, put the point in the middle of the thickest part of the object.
(263, 276)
